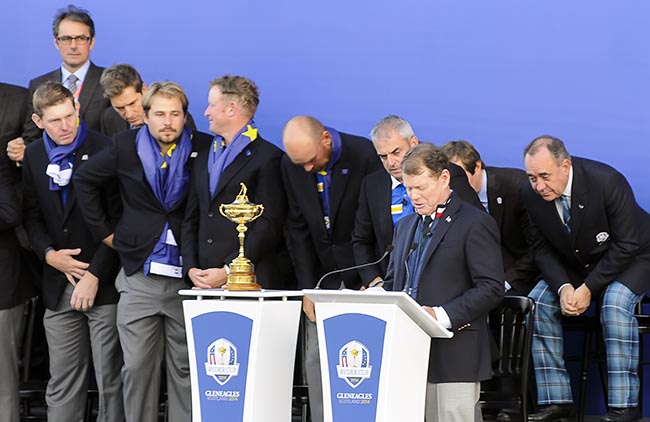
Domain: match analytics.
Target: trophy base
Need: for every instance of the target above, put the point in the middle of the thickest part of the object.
(241, 282)
(251, 287)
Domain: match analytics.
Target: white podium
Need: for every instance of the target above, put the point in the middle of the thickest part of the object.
(242, 348)
(374, 352)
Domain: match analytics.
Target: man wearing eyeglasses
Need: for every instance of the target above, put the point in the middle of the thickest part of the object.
(74, 37)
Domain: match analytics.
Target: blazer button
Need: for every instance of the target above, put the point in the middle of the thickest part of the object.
(209, 241)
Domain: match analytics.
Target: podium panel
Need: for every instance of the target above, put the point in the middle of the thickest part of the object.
(374, 351)
(242, 349)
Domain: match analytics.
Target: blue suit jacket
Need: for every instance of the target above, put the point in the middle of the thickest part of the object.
(462, 272)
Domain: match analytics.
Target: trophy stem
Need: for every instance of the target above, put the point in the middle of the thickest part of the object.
(241, 228)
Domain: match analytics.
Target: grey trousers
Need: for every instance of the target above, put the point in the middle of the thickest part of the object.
(71, 337)
(10, 328)
(453, 402)
(151, 327)
(312, 371)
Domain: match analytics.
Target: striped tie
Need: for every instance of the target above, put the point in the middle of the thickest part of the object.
(566, 213)
(72, 83)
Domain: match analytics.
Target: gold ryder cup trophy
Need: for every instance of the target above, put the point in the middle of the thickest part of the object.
(241, 211)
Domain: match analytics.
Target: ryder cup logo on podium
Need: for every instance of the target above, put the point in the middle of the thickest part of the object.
(222, 362)
(354, 363)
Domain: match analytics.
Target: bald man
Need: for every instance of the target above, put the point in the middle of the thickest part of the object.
(322, 172)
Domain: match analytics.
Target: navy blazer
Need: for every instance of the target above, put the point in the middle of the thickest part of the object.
(49, 223)
(504, 186)
(610, 232)
(373, 225)
(91, 101)
(462, 272)
(210, 239)
(314, 251)
(143, 217)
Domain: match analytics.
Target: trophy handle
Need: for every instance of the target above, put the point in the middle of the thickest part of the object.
(259, 209)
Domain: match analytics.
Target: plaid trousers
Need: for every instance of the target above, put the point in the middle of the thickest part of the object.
(621, 335)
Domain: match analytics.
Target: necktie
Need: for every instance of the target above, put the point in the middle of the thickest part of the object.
(426, 231)
(566, 213)
(72, 83)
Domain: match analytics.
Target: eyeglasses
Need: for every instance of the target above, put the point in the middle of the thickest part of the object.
(80, 39)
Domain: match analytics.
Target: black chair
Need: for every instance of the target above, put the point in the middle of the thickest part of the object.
(512, 322)
(32, 392)
(593, 349)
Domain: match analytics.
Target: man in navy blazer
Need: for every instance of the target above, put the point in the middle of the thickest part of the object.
(238, 154)
(16, 286)
(499, 191)
(447, 257)
(78, 283)
(74, 37)
(383, 200)
(152, 165)
(592, 241)
(322, 172)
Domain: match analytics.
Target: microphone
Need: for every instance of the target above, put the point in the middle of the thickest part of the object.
(389, 249)
(407, 285)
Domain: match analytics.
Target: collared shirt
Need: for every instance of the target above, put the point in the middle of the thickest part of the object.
(483, 194)
(80, 74)
(558, 207)
(567, 194)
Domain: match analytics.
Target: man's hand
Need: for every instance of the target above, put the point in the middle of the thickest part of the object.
(430, 311)
(63, 261)
(84, 293)
(582, 298)
(16, 149)
(212, 278)
(308, 308)
(567, 301)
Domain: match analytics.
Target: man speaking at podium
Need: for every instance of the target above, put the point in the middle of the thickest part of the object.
(447, 257)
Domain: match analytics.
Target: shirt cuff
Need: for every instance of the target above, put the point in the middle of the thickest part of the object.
(442, 317)
(562, 287)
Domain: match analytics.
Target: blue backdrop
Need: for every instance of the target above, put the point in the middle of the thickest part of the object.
(496, 73)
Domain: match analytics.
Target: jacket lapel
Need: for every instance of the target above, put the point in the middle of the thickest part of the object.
(340, 177)
(229, 172)
(443, 225)
(384, 197)
(89, 85)
(579, 197)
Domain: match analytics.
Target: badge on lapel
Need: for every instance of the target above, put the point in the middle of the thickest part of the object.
(448, 219)
(602, 237)
(344, 171)
(194, 154)
(84, 157)
(499, 200)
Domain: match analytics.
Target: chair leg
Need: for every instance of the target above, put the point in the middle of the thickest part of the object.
(583, 380)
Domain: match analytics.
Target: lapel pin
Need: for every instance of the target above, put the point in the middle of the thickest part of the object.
(194, 154)
(499, 200)
(344, 171)
(84, 157)
(602, 237)
(448, 219)
(581, 206)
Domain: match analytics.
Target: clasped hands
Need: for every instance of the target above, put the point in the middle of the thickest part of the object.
(76, 272)
(574, 302)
